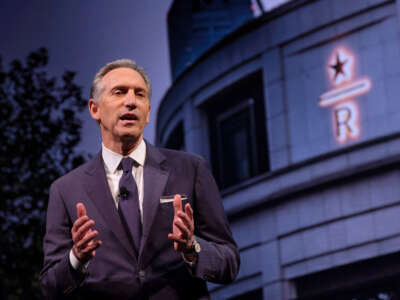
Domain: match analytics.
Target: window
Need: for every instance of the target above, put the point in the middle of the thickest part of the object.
(237, 132)
(176, 139)
(384, 290)
(198, 5)
(374, 279)
(252, 295)
(236, 143)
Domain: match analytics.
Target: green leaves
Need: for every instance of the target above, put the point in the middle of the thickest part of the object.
(39, 130)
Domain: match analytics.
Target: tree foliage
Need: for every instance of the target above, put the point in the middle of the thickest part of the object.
(39, 131)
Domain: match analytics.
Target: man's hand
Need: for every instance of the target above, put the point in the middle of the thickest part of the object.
(83, 236)
(182, 226)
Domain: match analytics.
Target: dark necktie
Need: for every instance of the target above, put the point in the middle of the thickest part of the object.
(129, 202)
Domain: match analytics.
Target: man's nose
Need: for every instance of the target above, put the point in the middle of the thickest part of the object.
(130, 99)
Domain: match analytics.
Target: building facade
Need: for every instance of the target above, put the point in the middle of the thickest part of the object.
(298, 114)
(195, 25)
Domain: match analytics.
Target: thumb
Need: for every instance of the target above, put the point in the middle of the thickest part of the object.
(81, 210)
(177, 203)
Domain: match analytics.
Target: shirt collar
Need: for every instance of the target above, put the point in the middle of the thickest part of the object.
(112, 159)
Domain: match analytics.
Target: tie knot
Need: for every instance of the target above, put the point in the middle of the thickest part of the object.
(127, 164)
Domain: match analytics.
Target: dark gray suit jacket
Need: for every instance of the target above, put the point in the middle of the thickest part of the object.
(159, 272)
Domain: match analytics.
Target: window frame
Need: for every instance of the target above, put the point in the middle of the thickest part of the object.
(228, 100)
(248, 105)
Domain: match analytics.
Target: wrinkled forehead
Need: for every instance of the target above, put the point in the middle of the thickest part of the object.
(125, 77)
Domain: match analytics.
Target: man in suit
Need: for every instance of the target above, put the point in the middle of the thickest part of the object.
(136, 222)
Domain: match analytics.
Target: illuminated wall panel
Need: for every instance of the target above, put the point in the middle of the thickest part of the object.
(342, 91)
(345, 110)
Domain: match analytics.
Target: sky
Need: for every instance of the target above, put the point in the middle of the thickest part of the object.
(83, 35)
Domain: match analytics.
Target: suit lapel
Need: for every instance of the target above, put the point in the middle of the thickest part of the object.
(155, 178)
(99, 193)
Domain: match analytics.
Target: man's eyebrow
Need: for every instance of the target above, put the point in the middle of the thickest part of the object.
(119, 87)
(140, 89)
(126, 87)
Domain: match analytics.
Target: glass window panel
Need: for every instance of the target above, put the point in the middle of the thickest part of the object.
(253, 295)
(236, 148)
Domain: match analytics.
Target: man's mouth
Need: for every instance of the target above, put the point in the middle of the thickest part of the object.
(128, 117)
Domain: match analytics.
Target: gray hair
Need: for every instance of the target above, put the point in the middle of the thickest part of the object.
(96, 88)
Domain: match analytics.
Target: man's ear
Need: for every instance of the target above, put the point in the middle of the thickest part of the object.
(148, 115)
(94, 109)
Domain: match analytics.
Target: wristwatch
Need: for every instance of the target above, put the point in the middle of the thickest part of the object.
(196, 246)
(194, 249)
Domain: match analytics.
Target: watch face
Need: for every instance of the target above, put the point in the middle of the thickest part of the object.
(197, 247)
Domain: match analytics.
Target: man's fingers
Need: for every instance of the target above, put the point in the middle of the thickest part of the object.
(177, 203)
(182, 227)
(89, 237)
(177, 238)
(91, 247)
(88, 252)
(189, 211)
(83, 236)
(186, 220)
(82, 217)
(81, 210)
(80, 232)
(85, 249)
(78, 223)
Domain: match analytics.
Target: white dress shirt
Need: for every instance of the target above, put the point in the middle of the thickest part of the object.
(114, 172)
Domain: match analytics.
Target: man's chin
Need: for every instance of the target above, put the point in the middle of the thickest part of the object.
(129, 142)
(130, 138)
(128, 133)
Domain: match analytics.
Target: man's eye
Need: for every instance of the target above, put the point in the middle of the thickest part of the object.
(118, 92)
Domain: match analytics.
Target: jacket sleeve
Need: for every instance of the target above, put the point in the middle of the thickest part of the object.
(218, 260)
(58, 279)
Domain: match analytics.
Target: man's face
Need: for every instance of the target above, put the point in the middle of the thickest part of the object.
(124, 107)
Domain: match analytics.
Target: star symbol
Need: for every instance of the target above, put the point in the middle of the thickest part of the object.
(338, 66)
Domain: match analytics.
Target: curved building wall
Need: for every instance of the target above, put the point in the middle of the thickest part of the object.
(320, 218)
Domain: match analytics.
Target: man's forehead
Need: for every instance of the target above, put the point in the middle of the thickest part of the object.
(123, 76)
